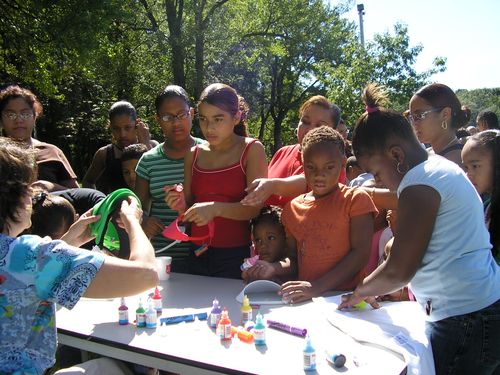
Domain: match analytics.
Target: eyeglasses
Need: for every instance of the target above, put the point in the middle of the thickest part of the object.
(417, 117)
(38, 198)
(171, 118)
(13, 116)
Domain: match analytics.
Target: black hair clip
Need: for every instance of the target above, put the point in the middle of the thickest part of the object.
(38, 198)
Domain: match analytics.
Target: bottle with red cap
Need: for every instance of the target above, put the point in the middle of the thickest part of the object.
(225, 326)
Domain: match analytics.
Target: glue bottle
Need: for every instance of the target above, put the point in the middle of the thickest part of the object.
(225, 326)
(246, 311)
(123, 313)
(157, 301)
(151, 316)
(215, 314)
(309, 355)
(140, 315)
(259, 331)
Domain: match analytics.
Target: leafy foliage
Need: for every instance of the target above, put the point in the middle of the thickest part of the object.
(80, 57)
(480, 99)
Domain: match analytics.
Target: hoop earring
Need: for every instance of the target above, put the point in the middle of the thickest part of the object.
(398, 168)
(444, 125)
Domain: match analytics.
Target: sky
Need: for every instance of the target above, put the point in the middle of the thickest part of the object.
(467, 33)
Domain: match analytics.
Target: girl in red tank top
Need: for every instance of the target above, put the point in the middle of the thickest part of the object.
(216, 175)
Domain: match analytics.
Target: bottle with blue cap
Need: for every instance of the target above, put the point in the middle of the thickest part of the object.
(259, 331)
(309, 355)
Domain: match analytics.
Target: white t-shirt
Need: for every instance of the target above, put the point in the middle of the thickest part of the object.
(458, 274)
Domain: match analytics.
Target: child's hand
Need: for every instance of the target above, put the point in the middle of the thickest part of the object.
(142, 129)
(349, 300)
(262, 270)
(79, 233)
(174, 198)
(201, 213)
(398, 295)
(258, 192)
(298, 291)
(152, 226)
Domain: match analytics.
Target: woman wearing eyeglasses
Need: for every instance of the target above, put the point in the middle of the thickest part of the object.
(19, 110)
(164, 166)
(436, 114)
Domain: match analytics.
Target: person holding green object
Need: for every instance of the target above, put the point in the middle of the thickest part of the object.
(36, 273)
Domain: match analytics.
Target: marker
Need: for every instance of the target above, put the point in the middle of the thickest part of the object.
(242, 334)
(177, 187)
(183, 318)
(200, 250)
(361, 305)
(337, 360)
(302, 332)
(123, 313)
(249, 262)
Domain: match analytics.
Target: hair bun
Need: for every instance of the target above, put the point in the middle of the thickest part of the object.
(374, 97)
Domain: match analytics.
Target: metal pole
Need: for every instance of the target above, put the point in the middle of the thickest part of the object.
(361, 12)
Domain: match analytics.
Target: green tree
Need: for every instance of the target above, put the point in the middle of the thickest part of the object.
(480, 99)
(389, 60)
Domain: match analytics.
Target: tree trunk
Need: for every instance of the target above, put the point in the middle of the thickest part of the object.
(199, 49)
(174, 11)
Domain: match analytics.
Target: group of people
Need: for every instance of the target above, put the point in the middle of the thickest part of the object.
(412, 215)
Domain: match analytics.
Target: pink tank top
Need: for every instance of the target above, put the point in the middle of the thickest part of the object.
(222, 185)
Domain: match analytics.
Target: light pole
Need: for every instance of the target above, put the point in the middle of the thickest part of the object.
(361, 12)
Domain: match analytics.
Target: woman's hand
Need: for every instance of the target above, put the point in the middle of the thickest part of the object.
(130, 213)
(143, 135)
(350, 300)
(258, 192)
(79, 233)
(174, 198)
(298, 291)
(201, 213)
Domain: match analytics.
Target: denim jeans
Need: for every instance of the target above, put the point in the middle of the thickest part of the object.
(467, 344)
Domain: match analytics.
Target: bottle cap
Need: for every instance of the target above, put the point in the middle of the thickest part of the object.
(156, 294)
(246, 302)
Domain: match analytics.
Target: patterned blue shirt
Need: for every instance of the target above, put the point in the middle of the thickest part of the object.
(35, 274)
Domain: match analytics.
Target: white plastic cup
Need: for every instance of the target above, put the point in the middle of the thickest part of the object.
(163, 267)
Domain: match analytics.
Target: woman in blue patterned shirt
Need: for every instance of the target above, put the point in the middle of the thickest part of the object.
(36, 273)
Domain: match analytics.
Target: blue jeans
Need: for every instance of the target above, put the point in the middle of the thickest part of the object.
(467, 344)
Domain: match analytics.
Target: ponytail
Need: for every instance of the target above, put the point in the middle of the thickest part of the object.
(378, 125)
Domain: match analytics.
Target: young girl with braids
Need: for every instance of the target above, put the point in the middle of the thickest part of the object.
(441, 243)
(481, 160)
(216, 175)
